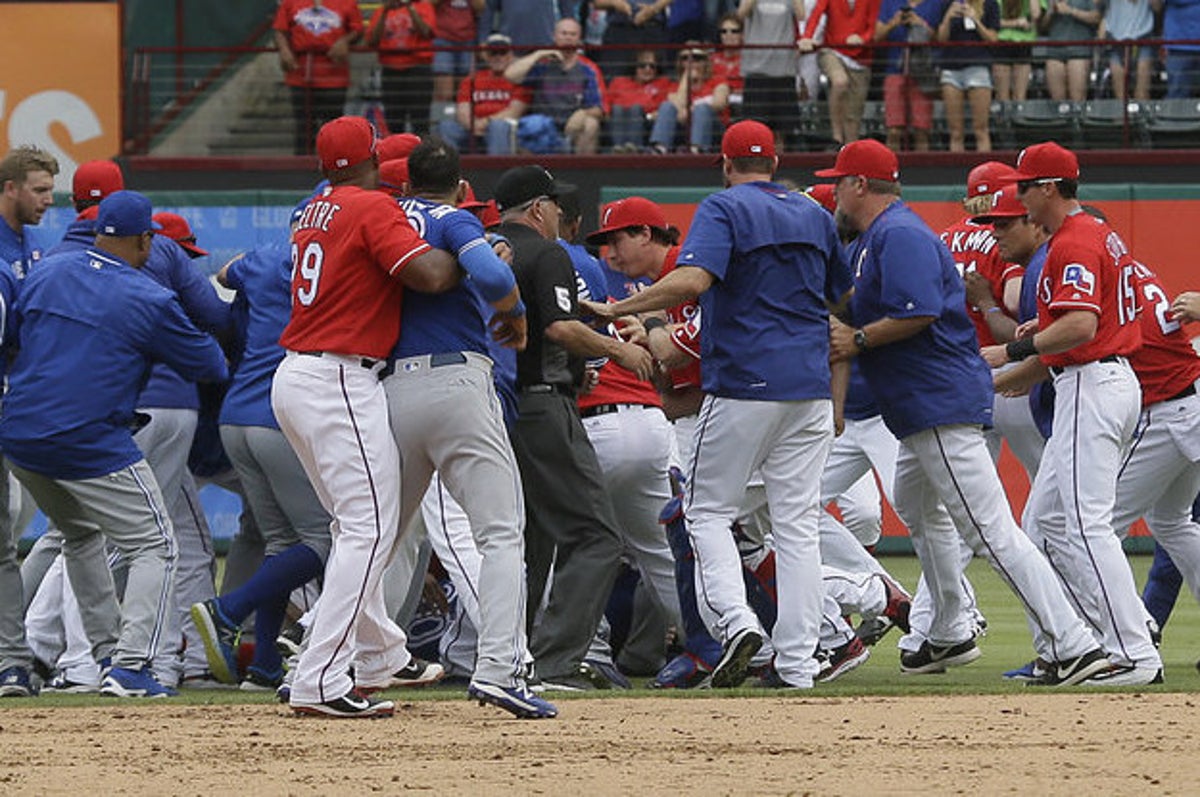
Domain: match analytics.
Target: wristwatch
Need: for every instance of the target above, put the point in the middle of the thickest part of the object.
(860, 339)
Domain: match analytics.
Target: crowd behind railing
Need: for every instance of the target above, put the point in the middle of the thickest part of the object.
(662, 77)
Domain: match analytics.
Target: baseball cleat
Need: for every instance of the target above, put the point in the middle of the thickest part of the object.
(604, 675)
(735, 660)
(220, 638)
(1072, 671)
(842, 660)
(62, 685)
(352, 705)
(1029, 671)
(899, 604)
(258, 681)
(930, 658)
(289, 641)
(516, 700)
(417, 672)
(1126, 675)
(15, 682)
(124, 682)
(685, 671)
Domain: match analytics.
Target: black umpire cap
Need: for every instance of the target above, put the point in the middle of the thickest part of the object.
(521, 184)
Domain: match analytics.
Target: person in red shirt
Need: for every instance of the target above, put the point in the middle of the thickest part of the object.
(1087, 328)
(845, 60)
(635, 100)
(454, 31)
(700, 96)
(727, 57)
(489, 104)
(353, 252)
(402, 32)
(313, 38)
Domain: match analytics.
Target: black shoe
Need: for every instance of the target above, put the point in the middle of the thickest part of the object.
(932, 658)
(351, 705)
(1073, 671)
(735, 659)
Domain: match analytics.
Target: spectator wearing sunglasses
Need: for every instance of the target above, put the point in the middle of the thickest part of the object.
(635, 101)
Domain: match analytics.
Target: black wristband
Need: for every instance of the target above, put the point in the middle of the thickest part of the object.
(653, 323)
(1018, 350)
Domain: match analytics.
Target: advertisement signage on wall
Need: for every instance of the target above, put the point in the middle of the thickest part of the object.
(60, 88)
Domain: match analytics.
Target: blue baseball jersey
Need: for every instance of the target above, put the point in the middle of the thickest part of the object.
(433, 323)
(88, 325)
(263, 279)
(936, 377)
(591, 284)
(1041, 396)
(860, 401)
(8, 298)
(777, 261)
(169, 266)
(22, 250)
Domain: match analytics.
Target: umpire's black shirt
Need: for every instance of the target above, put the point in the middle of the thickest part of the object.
(548, 288)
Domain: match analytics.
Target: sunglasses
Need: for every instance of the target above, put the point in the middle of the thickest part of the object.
(1025, 185)
(647, 65)
(731, 30)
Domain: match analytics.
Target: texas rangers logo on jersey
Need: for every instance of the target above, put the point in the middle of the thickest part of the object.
(1078, 277)
(858, 267)
(318, 20)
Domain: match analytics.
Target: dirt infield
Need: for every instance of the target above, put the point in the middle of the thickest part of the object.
(1052, 744)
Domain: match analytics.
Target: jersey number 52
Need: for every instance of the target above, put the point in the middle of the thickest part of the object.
(309, 268)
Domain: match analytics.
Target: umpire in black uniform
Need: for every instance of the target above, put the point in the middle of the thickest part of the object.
(566, 506)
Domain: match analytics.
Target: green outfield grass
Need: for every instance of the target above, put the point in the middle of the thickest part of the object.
(1006, 646)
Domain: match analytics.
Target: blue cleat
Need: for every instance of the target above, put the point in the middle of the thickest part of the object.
(15, 682)
(516, 700)
(123, 682)
(220, 639)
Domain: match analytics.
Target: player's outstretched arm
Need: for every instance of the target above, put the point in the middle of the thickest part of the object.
(580, 339)
(681, 285)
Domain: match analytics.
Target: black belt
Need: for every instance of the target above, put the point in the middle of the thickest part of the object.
(1190, 390)
(604, 409)
(562, 390)
(435, 361)
(1111, 358)
(365, 362)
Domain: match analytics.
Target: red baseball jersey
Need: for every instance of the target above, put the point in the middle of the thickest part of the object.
(311, 29)
(347, 252)
(625, 91)
(686, 336)
(1166, 363)
(727, 66)
(402, 46)
(491, 93)
(619, 385)
(974, 248)
(1089, 268)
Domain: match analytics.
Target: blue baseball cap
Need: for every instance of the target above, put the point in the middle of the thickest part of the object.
(123, 214)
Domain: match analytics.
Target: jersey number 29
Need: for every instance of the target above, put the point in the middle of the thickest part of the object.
(309, 268)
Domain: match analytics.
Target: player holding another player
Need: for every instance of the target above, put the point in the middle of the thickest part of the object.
(913, 339)
(352, 250)
(1087, 326)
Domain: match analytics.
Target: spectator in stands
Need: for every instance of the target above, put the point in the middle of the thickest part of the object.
(402, 31)
(529, 23)
(489, 104)
(845, 61)
(635, 100)
(313, 38)
(769, 75)
(1013, 63)
(629, 22)
(686, 21)
(909, 74)
(1067, 67)
(1126, 21)
(455, 26)
(568, 92)
(727, 58)
(1181, 22)
(701, 97)
(967, 71)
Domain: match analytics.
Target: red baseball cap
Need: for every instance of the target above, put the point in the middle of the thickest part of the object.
(634, 211)
(865, 158)
(1005, 205)
(748, 139)
(346, 141)
(396, 146)
(176, 228)
(987, 178)
(1045, 161)
(470, 201)
(823, 194)
(393, 176)
(96, 180)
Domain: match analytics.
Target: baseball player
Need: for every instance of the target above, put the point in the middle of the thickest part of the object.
(996, 282)
(913, 338)
(26, 191)
(352, 249)
(294, 525)
(16, 659)
(765, 262)
(65, 428)
(446, 417)
(1087, 327)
